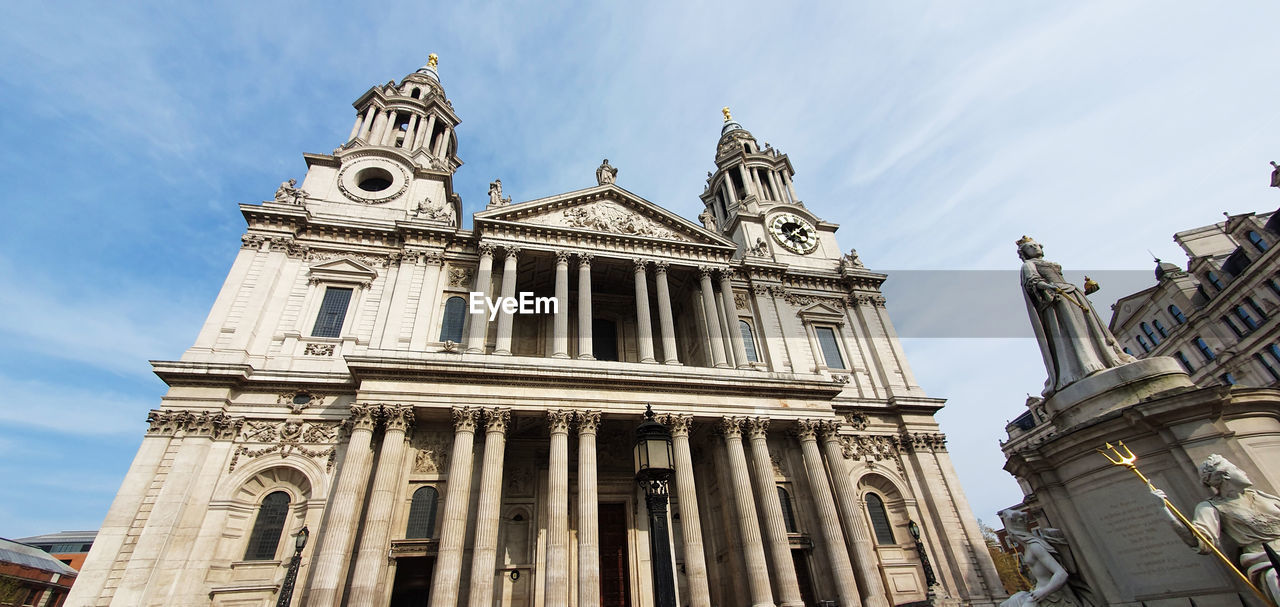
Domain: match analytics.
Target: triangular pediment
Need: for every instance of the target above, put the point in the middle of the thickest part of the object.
(608, 209)
(822, 312)
(343, 270)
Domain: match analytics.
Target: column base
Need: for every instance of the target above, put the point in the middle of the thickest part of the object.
(726, 366)
(502, 352)
(674, 363)
(474, 351)
(795, 604)
(560, 355)
(586, 357)
(652, 361)
(749, 367)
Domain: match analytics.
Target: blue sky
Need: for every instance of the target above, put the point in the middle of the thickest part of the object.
(935, 133)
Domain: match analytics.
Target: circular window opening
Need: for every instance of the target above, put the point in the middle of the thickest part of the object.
(301, 398)
(373, 179)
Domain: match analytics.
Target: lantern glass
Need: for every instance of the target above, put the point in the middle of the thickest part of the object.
(301, 541)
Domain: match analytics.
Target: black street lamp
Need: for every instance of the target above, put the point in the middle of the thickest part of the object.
(654, 457)
(290, 578)
(929, 579)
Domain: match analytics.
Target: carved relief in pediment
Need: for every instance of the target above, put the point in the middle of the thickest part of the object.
(606, 216)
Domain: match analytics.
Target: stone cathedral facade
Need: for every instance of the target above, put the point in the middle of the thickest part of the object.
(448, 458)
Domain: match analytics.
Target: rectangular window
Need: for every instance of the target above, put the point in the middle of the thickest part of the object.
(1186, 362)
(1271, 370)
(332, 312)
(1234, 329)
(830, 349)
(748, 341)
(1228, 379)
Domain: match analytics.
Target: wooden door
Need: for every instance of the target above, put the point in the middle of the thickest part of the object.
(615, 566)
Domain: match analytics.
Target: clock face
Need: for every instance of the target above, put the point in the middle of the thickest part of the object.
(794, 233)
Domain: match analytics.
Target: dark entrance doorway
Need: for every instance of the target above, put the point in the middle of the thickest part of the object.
(615, 587)
(412, 586)
(604, 339)
(804, 579)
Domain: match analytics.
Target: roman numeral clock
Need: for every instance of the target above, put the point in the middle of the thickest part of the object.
(793, 232)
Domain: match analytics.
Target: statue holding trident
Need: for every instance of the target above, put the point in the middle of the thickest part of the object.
(1249, 517)
(1073, 340)
(1041, 560)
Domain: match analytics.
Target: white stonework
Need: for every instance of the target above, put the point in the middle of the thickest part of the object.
(439, 458)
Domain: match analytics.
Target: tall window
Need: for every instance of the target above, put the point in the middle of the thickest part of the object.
(1232, 325)
(788, 514)
(748, 341)
(1204, 348)
(333, 310)
(1214, 280)
(1275, 352)
(422, 514)
(1128, 351)
(1262, 316)
(830, 349)
(880, 520)
(265, 537)
(1258, 242)
(1244, 317)
(1146, 330)
(455, 313)
(1176, 313)
(1159, 327)
(1186, 362)
(1143, 343)
(1275, 286)
(1228, 379)
(1266, 364)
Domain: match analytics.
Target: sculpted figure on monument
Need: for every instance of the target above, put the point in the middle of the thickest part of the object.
(290, 193)
(1249, 517)
(495, 194)
(708, 220)
(606, 174)
(1053, 584)
(1073, 340)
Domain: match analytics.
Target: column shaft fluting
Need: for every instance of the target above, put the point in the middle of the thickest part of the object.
(644, 328)
(588, 511)
(748, 523)
(484, 554)
(558, 509)
(775, 529)
(731, 319)
(713, 318)
(665, 321)
(585, 349)
(505, 320)
(480, 320)
(375, 539)
(560, 329)
(828, 517)
(695, 560)
(453, 529)
(335, 545)
(863, 553)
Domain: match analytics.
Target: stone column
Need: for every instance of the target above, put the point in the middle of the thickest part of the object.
(713, 317)
(355, 128)
(424, 133)
(644, 329)
(484, 554)
(389, 135)
(560, 339)
(453, 529)
(748, 524)
(557, 589)
(375, 539)
(695, 561)
(828, 517)
(379, 125)
(731, 319)
(585, 348)
(410, 133)
(666, 324)
(588, 511)
(864, 553)
(335, 544)
(775, 529)
(367, 125)
(508, 291)
(480, 322)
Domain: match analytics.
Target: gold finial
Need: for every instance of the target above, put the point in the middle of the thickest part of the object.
(725, 110)
(1024, 240)
(432, 60)
(1091, 286)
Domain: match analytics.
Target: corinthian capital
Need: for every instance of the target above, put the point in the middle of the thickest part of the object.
(732, 426)
(560, 420)
(807, 429)
(588, 422)
(680, 424)
(362, 417)
(758, 427)
(496, 420)
(465, 419)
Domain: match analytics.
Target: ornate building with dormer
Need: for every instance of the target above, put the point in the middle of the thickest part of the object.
(447, 455)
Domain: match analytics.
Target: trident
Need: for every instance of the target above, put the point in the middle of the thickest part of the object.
(1127, 459)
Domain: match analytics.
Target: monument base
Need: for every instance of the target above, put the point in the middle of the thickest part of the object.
(1113, 389)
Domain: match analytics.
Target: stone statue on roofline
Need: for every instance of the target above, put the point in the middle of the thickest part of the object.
(495, 194)
(290, 193)
(606, 174)
(1074, 341)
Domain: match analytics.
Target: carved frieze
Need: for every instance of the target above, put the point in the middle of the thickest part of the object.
(289, 246)
(218, 425)
(318, 350)
(299, 400)
(252, 241)
(866, 299)
(432, 452)
(857, 419)
(606, 216)
(367, 259)
(314, 439)
(740, 300)
(798, 299)
(459, 277)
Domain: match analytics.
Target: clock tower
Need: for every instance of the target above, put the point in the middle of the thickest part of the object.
(751, 200)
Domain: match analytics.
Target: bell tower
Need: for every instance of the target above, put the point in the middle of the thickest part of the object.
(413, 117)
(750, 199)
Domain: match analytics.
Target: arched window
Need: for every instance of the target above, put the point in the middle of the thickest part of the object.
(1143, 343)
(416, 91)
(1159, 327)
(1258, 242)
(1176, 313)
(1128, 351)
(455, 313)
(1214, 280)
(422, 514)
(880, 520)
(1205, 350)
(788, 514)
(265, 537)
(748, 341)
(1146, 330)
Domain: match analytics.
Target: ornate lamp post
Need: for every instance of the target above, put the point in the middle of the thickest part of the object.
(290, 578)
(653, 456)
(929, 579)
